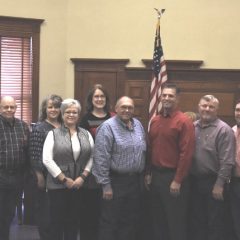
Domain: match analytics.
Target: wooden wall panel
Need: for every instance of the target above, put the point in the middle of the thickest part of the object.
(193, 82)
(190, 100)
(139, 91)
(88, 79)
(108, 72)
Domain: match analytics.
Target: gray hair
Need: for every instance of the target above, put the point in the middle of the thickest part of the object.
(210, 98)
(68, 103)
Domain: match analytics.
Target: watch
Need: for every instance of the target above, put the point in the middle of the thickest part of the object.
(83, 176)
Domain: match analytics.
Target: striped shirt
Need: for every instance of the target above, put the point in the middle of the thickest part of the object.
(118, 148)
(13, 144)
(91, 122)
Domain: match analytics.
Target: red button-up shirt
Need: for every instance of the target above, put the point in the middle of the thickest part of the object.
(171, 143)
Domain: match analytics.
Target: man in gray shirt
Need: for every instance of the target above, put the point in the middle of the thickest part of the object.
(213, 161)
(119, 159)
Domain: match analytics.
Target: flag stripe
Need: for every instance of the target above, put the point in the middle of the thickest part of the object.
(159, 75)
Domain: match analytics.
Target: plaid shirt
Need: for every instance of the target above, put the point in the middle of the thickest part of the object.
(13, 144)
(119, 149)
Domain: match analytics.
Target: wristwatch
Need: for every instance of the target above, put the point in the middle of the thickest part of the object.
(83, 176)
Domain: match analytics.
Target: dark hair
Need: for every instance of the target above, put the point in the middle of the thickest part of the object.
(238, 101)
(90, 98)
(172, 86)
(56, 100)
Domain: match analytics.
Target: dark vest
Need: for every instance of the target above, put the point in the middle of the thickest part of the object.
(63, 155)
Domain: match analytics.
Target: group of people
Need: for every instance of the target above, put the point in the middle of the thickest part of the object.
(90, 173)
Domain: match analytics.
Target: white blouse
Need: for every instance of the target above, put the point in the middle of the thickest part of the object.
(51, 165)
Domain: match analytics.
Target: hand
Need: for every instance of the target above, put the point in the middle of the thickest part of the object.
(217, 193)
(41, 183)
(78, 182)
(69, 183)
(175, 188)
(108, 194)
(147, 181)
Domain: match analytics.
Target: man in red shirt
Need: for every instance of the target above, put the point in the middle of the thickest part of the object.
(171, 146)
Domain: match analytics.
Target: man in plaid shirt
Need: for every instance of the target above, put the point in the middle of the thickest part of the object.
(14, 135)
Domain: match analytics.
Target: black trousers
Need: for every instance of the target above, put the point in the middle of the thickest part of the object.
(235, 205)
(42, 214)
(119, 216)
(64, 205)
(8, 201)
(206, 213)
(169, 213)
(90, 214)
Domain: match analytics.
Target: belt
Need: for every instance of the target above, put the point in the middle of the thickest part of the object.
(124, 174)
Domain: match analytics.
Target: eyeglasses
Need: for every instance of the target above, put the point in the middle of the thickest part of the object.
(99, 96)
(125, 107)
(71, 113)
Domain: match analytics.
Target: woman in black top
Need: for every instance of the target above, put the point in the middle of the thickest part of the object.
(97, 113)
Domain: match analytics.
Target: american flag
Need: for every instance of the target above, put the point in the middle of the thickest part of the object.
(159, 75)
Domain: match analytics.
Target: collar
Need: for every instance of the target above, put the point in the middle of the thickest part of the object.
(213, 123)
(124, 125)
(10, 123)
(169, 115)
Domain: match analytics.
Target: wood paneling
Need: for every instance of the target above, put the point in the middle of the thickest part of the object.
(108, 72)
(139, 91)
(193, 81)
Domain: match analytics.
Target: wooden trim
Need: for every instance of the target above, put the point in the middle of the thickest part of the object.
(192, 80)
(177, 64)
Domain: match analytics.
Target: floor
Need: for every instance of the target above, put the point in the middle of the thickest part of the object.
(23, 232)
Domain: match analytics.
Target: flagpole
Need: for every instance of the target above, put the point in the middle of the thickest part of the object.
(159, 72)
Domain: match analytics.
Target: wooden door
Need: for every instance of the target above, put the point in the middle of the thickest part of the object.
(109, 73)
